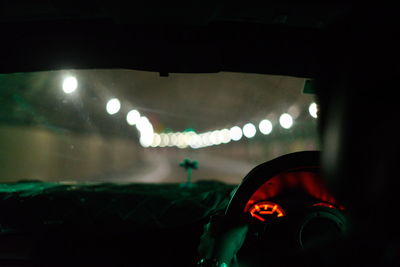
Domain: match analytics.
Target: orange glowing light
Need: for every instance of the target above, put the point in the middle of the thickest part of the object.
(265, 209)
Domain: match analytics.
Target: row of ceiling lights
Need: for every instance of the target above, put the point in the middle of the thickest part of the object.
(188, 139)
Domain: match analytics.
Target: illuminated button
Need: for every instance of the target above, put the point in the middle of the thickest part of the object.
(265, 209)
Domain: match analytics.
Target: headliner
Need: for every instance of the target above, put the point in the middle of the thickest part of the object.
(274, 38)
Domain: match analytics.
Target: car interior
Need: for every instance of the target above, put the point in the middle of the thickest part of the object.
(315, 186)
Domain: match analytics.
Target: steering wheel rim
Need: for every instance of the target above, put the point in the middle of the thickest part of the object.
(234, 224)
(303, 160)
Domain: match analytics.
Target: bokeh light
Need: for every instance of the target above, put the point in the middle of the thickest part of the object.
(249, 130)
(235, 133)
(224, 136)
(113, 106)
(313, 109)
(156, 140)
(265, 127)
(286, 121)
(70, 84)
(133, 117)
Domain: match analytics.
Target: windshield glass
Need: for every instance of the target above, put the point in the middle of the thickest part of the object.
(138, 126)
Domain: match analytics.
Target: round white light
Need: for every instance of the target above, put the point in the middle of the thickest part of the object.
(313, 109)
(70, 84)
(236, 133)
(113, 106)
(249, 130)
(265, 127)
(133, 117)
(286, 121)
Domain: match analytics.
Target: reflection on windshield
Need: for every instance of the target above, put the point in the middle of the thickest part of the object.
(136, 126)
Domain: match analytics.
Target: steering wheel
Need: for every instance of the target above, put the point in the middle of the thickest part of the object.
(230, 230)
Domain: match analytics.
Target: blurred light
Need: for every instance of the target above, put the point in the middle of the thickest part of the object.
(133, 117)
(286, 120)
(235, 133)
(195, 141)
(189, 135)
(113, 106)
(294, 111)
(224, 136)
(265, 127)
(192, 139)
(313, 109)
(220, 135)
(205, 137)
(249, 130)
(173, 140)
(214, 138)
(146, 139)
(164, 140)
(170, 143)
(146, 136)
(199, 141)
(146, 131)
(70, 84)
(142, 123)
(182, 142)
(156, 140)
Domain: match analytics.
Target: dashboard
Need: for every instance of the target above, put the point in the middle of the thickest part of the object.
(282, 211)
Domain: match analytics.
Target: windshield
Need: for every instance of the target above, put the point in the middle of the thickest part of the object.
(138, 126)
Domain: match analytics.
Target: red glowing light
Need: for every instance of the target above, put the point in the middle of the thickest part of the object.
(309, 182)
(265, 209)
(324, 204)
